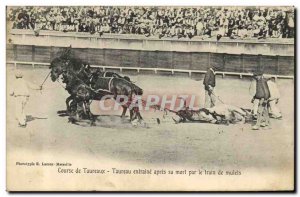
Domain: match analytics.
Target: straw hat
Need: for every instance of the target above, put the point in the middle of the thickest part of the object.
(18, 74)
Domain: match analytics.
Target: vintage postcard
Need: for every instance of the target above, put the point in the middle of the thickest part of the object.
(150, 98)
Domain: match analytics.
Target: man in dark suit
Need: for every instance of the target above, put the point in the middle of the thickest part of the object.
(209, 83)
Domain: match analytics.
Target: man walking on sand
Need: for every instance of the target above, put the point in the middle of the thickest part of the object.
(21, 95)
(209, 83)
(263, 95)
(274, 99)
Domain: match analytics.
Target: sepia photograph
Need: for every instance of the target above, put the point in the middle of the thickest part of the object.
(150, 98)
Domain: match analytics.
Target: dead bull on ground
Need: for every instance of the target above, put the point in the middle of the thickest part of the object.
(221, 114)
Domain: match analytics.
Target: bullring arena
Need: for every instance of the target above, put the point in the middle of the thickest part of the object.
(188, 144)
(260, 155)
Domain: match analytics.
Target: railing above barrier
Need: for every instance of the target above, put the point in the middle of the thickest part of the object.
(289, 41)
(155, 70)
(253, 46)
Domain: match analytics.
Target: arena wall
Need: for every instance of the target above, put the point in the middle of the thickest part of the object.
(274, 58)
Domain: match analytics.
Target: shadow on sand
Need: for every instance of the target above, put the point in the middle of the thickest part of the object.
(30, 118)
(107, 121)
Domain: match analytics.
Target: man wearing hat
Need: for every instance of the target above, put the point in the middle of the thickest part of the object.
(209, 83)
(262, 94)
(21, 94)
(274, 99)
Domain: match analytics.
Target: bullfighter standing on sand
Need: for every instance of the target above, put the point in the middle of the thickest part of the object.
(263, 95)
(21, 94)
(209, 83)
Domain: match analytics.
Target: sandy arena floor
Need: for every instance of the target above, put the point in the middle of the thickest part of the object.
(191, 145)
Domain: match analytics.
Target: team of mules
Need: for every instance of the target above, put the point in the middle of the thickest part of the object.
(85, 84)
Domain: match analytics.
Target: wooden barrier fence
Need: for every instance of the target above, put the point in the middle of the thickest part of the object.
(155, 70)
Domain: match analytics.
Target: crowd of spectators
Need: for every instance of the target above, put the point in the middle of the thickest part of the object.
(178, 22)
